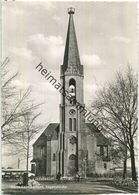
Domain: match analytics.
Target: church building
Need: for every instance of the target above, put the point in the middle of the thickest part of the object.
(72, 145)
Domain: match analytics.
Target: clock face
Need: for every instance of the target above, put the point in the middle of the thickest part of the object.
(72, 111)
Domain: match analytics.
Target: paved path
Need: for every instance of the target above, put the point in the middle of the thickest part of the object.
(89, 188)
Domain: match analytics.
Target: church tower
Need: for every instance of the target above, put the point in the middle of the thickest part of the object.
(72, 145)
(72, 140)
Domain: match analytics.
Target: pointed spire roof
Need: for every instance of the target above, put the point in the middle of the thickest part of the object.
(71, 55)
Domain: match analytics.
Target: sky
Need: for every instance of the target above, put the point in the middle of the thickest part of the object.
(34, 32)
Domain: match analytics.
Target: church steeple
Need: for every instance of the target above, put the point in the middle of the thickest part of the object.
(71, 56)
(71, 140)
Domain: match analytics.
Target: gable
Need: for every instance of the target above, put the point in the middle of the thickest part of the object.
(51, 132)
(41, 140)
(101, 139)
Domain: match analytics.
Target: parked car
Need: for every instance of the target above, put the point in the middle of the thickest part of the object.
(7, 176)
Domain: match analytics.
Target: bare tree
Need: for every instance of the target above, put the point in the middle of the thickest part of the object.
(116, 107)
(19, 114)
(29, 129)
(119, 154)
(15, 104)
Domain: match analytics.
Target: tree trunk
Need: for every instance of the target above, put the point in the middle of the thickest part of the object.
(133, 167)
(125, 167)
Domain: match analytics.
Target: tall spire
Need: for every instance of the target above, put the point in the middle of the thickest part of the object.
(71, 55)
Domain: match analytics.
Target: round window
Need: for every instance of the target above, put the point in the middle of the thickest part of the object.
(72, 111)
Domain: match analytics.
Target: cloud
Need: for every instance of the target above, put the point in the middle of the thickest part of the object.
(91, 60)
(120, 39)
(21, 52)
(22, 61)
(49, 49)
(28, 9)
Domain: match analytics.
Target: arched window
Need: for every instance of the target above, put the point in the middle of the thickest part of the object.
(70, 124)
(72, 91)
(74, 124)
(72, 82)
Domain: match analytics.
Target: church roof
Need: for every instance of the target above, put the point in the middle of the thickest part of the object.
(101, 139)
(71, 56)
(51, 131)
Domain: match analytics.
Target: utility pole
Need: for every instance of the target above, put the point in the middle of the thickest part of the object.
(28, 142)
(18, 163)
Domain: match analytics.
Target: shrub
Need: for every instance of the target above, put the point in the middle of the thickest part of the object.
(119, 181)
(99, 175)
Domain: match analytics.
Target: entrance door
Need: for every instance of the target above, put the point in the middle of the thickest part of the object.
(72, 164)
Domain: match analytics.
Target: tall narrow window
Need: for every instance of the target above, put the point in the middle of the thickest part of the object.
(59, 160)
(60, 141)
(98, 150)
(63, 142)
(101, 151)
(74, 124)
(105, 166)
(70, 124)
(62, 163)
(105, 148)
(42, 151)
(54, 157)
